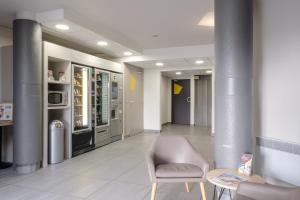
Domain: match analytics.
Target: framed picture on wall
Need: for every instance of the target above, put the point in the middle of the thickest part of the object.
(6, 111)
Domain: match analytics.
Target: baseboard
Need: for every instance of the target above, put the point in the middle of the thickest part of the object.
(151, 131)
(133, 134)
(166, 123)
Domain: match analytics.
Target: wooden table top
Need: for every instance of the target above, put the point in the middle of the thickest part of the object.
(6, 123)
(212, 175)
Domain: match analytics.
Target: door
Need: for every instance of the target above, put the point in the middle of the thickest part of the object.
(203, 101)
(181, 101)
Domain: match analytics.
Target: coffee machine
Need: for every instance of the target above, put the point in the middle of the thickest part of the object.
(116, 106)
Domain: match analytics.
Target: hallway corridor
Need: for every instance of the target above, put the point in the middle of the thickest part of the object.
(113, 172)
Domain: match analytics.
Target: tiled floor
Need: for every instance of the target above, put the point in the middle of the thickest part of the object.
(114, 172)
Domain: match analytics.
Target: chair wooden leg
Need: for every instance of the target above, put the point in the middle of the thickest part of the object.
(187, 187)
(202, 191)
(153, 192)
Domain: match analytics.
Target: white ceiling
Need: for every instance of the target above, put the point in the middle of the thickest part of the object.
(179, 63)
(131, 21)
(184, 73)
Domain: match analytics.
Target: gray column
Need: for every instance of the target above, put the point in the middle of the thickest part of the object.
(233, 81)
(27, 62)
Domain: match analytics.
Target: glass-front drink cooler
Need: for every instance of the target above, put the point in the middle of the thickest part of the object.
(102, 102)
(82, 135)
(102, 98)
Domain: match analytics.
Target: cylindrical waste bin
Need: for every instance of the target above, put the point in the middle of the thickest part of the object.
(56, 142)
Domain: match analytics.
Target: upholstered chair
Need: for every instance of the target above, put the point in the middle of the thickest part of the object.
(251, 191)
(173, 159)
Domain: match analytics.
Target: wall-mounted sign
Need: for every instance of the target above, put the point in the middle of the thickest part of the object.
(132, 83)
(177, 89)
(6, 111)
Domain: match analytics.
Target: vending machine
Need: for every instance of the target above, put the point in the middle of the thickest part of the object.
(101, 107)
(116, 106)
(82, 134)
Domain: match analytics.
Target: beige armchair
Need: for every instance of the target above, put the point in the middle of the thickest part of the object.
(251, 191)
(173, 159)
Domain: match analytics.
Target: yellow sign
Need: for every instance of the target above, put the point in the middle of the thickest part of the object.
(177, 89)
(132, 83)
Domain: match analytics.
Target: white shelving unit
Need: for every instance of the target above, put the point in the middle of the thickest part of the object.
(59, 59)
(59, 83)
(61, 113)
(58, 107)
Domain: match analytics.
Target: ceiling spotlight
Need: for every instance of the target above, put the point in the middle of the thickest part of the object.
(62, 27)
(198, 62)
(102, 43)
(159, 64)
(178, 73)
(208, 71)
(127, 53)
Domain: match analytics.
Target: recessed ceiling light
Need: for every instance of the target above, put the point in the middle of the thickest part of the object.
(208, 71)
(127, 53)
(199, 62)
(178, 73)
(102, 43)
(208, 20)
(159, 64)
(62, 27)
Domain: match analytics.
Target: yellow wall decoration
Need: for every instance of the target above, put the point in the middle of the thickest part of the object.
(132, 83)
(177, 89)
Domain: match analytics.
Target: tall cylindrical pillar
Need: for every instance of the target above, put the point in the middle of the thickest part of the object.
(233, 81)
(27, 64)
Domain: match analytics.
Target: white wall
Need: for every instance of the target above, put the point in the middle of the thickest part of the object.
(5, 40)
(276, 83)
(169, 100)
(192, 104)
(5, 86)
(133, 100)
(152, 81)
(277, 69)
(5, 36)
(213, 103)
(165, 93)
(0, 74)
(6, 95)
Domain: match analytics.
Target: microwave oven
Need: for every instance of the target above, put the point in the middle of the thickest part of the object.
(57, 98)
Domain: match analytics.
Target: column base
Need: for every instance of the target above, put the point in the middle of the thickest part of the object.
(27, 169)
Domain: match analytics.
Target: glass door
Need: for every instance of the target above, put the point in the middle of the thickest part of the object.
(81, 99)
(102, 98)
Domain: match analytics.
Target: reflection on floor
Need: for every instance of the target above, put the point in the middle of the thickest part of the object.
(114, 172)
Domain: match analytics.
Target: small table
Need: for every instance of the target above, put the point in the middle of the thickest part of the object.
(213, 174)
(4, 165)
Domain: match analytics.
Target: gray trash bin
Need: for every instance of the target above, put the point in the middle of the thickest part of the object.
(56, 142)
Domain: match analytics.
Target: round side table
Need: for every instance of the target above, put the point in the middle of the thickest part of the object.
(214, 174)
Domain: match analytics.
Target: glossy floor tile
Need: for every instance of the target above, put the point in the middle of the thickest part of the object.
(113, 172)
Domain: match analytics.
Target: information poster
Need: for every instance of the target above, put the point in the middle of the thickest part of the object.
(6, 111)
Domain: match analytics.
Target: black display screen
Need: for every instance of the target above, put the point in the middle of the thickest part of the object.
(114, 90)
(55, 98)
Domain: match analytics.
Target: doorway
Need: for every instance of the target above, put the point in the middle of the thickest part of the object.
(181, 101)
(203, 100)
